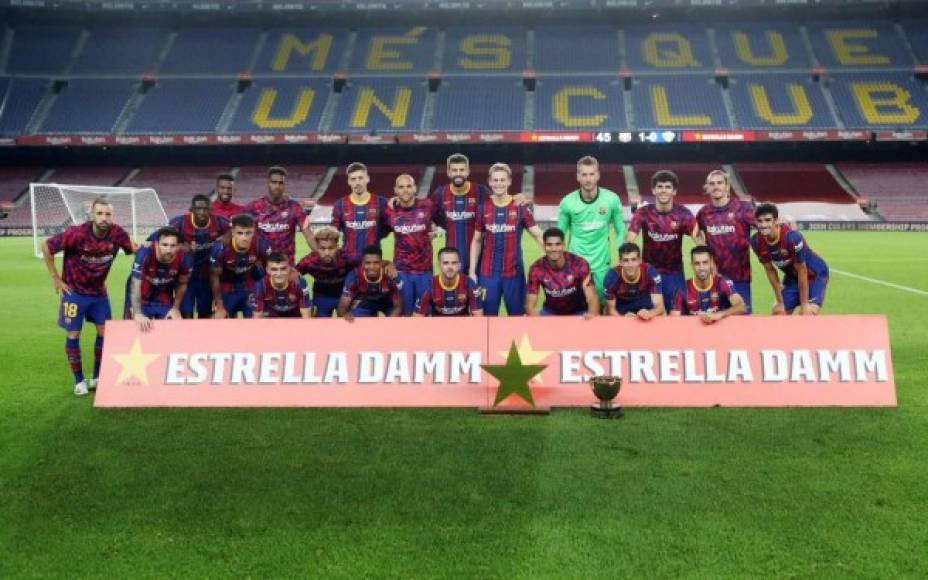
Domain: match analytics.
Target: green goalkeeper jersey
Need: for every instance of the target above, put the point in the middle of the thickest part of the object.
(588, 225)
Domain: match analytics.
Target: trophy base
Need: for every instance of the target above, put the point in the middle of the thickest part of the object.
(614, 412)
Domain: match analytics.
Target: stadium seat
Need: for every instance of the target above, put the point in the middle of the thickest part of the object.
(918, 40)
(667, 47)
(21, 98)
(90, 175)
(897, 189)
(176, 185)
(692, 177)
(306, 51)
(554, 181)
(120, 50)
(276, 105)
(587, 103)
(251, 181)
(394, 50)
(791, 182)
(769, 46)
(779, 101)
(213, 51)
(680, 102)
(42, 49)
(15, 180)
(885, 100)
(89, 106)
(567, 49)
(858, 45)
(484, 49)
(380, 104)
(480, 104)
(182, 106)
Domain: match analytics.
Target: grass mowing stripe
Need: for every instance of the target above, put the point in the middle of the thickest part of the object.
(881, 282)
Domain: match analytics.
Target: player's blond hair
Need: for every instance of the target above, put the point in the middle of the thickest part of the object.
(326, 234)
(719, 172)
(500, 167)
(587, 161)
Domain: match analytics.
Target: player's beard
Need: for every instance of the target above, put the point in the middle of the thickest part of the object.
(459, 182)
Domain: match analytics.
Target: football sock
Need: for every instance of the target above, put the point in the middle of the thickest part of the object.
(72, 347)
(97, 356)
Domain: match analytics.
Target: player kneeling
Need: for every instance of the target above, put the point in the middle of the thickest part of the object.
(368, 290)
(710, 296)
(565, 278)
(236, 266)
(633, 288)
(805, 274)
(159, 279)
(450, 293)
(280, 295)
(329, 266)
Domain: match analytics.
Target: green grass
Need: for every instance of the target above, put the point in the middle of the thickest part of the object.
(699, 493)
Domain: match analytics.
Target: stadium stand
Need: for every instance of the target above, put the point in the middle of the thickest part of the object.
(574, 103)
(897, 190)
(211, 51)
(302, 180)
(554, 181)
(182, 106)
(768, 46)
(394, 51)
(89, 106)
(382, 179)
(569, 49)
(480, 104)
(380, 104)
(485, 49)
(42, 49)
(120, 50)
(779, 101)
(893, 100)
(692, 177)
(871, 44)
(14, 181)
(791, 182)
(176, 185)
(92, 175)
(276, 104)
(667, 47)
(679, 102)
(918, 40)
(302, 51)
(20, 99)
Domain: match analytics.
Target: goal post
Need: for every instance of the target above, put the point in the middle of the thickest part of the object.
(56, 206)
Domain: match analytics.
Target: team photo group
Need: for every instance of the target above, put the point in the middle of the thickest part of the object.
(224, 260)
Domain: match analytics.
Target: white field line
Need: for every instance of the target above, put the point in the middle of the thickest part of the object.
(881, 282)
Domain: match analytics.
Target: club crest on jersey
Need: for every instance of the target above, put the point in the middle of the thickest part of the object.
(731, 215)
(784, 252)
(512, 214)
(291, 297)
(673, 225)
(421, 215)
(570, 278)
(602, 210)
(714, 296)
(284, 214)
(461, 297)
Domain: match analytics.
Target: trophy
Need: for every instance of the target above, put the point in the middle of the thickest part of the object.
(606, 389)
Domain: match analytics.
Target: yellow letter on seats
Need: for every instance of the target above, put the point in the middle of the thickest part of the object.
(562, 107)
(884, 103)
(367, 98)
(854, 53)
(665, 118)
(299, 112)
(380, 58)
(777, 57)
(493, 46)
(678, 53)
(800, 114)
(320, 48)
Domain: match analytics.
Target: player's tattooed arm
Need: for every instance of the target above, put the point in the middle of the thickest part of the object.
(174, 313)
(136, 293)
(475, 246)
(60, 286)
(309, 235)
(344, 308)
(538, 235)
(531, 304)
(592, 297)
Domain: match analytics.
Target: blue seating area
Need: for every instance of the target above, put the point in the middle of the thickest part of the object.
(769, 46)
(394, 51)
(381, 104)
(568, 49)
(779, 101)
(918, 40)
(579, 103)
(485, 50)
(19, 98)
(884, 100)
(182, 106)
(274, 105)
(121, 50)
(89, 106)
(480, 104)
(680, 102)
(211, 51)
(42, 49)
(668, 48)
(858, 45)
(313, 51)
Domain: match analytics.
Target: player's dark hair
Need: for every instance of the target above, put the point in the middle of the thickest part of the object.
(766, 209)
(458, 158)
(276, 257)
(276, 170)
(373, 251)
(702, 250)
(629, 248)
(225, 177)
(199, 197)
(356, 166)
(243, 220)
(665, 176)
(449, 250)
(168, 232)
(553, 233)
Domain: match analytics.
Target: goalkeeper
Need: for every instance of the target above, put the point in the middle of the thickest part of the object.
(586, 216)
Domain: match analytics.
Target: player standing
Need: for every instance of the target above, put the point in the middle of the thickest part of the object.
(329, 266)
(565, 278)
(225, 189)
(497, 264)
(368, 289)
(411, 220)
(236, 265)
(663, 225)
(587, 215)
(278, 217)
(725, 226)
(160, 277)
(805, 276)
(280, 295)
(89, 249)
(450, 294)
(458, 203)
(360, 215)
(634, 288)
(709, 295)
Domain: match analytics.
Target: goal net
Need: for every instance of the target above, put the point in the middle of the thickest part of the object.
(56, 206)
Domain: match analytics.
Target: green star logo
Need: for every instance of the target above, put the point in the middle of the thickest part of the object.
(513, 377)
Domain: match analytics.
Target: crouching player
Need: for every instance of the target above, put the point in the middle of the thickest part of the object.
(450, 293)
(565, 278)
(281, 295)
(368, 290)
(805, 274)
(329, 266)
(236, 266)
(633, 288)
(159, 279)
(710, 296)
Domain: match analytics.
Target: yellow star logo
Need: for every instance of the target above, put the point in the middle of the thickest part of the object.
(529, 356)
(134, 363)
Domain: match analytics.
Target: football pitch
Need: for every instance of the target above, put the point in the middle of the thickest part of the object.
(699, 493)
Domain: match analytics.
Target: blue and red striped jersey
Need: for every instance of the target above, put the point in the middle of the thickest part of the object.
(240, 270)
(282, 303)
(411, 227)
(789, 249)
(663, 235)
(693, 300)
(199, 241)
(361, 225)
(728, 234)
(457, 213)
(87, 258)
(563, 286)
(502, 227)
(359, 289)
(646, 282)
(226, 210)
(461, 298)
(159, 279)
(328, 277)
(278, 223)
